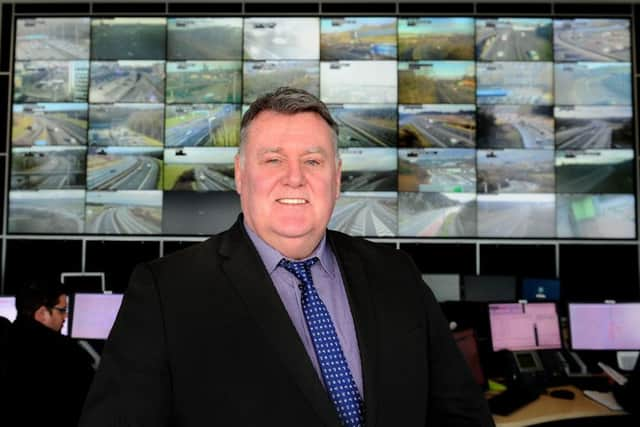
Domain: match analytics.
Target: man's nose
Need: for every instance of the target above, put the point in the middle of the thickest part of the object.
(295, 174)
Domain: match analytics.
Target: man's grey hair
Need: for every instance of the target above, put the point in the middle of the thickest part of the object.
(287, 100)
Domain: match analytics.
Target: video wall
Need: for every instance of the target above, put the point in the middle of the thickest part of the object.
(449, 127)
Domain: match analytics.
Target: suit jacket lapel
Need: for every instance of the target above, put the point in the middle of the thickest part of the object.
(359, 294)
(246, 272)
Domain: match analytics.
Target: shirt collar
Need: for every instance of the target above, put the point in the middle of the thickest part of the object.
(271, 257)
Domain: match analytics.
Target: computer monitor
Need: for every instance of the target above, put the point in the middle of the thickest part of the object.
(489, 288)
(8, 308)
(540, 289)
(93, 315)
(602, 326)
(445, 287)
(524, 326)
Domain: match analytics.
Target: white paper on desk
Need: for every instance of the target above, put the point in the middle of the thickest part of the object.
(607, 399)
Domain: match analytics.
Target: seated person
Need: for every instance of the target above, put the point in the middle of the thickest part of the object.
(48, 374)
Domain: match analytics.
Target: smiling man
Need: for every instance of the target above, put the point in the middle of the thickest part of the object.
(278, 321)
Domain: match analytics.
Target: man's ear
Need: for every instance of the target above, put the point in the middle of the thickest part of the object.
(41, 314)
(237, 173)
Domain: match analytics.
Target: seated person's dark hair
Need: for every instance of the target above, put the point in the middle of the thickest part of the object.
(36, 293)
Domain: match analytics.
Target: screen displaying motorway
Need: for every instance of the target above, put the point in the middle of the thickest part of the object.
(503, 127)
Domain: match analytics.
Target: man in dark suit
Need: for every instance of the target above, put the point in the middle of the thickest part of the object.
(277, 321)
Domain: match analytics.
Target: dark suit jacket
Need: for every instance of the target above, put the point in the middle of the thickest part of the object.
(202, 338)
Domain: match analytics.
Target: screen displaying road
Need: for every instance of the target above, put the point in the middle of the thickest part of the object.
(366, 125)
(202, 125)
(52, 38)
(126, 125)
(515, 126)
(437, 170)
(437, 126)
(441, 82)
(515, 171)
(204, 38)
(128, 38)
(282, 38)
(436, 38)
(514, 39)
(199, 169)
(358, 38)
(49, 124)
(581, 127)
(266, 76)
(448, 127)
(204, 82)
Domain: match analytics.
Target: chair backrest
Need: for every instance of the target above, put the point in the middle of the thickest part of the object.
(466, 341)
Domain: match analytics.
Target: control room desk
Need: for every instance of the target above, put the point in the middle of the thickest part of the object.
(547, 408)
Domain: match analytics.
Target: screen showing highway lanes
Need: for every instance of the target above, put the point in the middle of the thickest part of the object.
(449, 127)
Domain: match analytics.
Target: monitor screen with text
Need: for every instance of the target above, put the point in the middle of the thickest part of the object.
(531, 326)
(604, 326)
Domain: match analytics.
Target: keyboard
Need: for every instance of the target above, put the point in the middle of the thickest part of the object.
(511, 400)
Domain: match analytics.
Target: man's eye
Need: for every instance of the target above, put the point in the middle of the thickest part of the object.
(312, 162)
(272, 161)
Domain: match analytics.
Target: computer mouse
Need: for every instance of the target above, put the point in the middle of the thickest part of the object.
(562, 394)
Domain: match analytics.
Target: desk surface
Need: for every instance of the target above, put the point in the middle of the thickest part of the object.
(547, 408)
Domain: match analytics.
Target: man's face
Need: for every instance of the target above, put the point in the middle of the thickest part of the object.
(54, 317)
(289, 180)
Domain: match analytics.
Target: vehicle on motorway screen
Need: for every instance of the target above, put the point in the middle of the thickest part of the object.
(436, 38)
(366, 213)
(52, 38)
(199, 169)
(585, 127)
(281, 38)
(204, 38)
(441, 126)
(127, 81)
(366, 82)
(600, 40)
(514, 39)
(128, 38)
(204, 82)
(124, 168)
(515, 171)
(366, 125)
(447, 170)
(516, 215)
(515, 83)
(123, 212)
(594, 171)
(593, 83)
(48, 168)
(436, 82)
(46, 211)
(369, 169)
(261, 77)
(358, 38)
(596, 216)
(437, 214)
(515, 126)
(50, 81)
(126, 125)
(49, 124)
(202, 125)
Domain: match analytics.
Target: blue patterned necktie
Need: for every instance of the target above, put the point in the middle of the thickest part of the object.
(333, 365)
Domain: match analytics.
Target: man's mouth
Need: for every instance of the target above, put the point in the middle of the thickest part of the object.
(292, 201)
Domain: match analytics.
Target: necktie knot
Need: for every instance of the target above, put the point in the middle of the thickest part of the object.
(300, 269)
